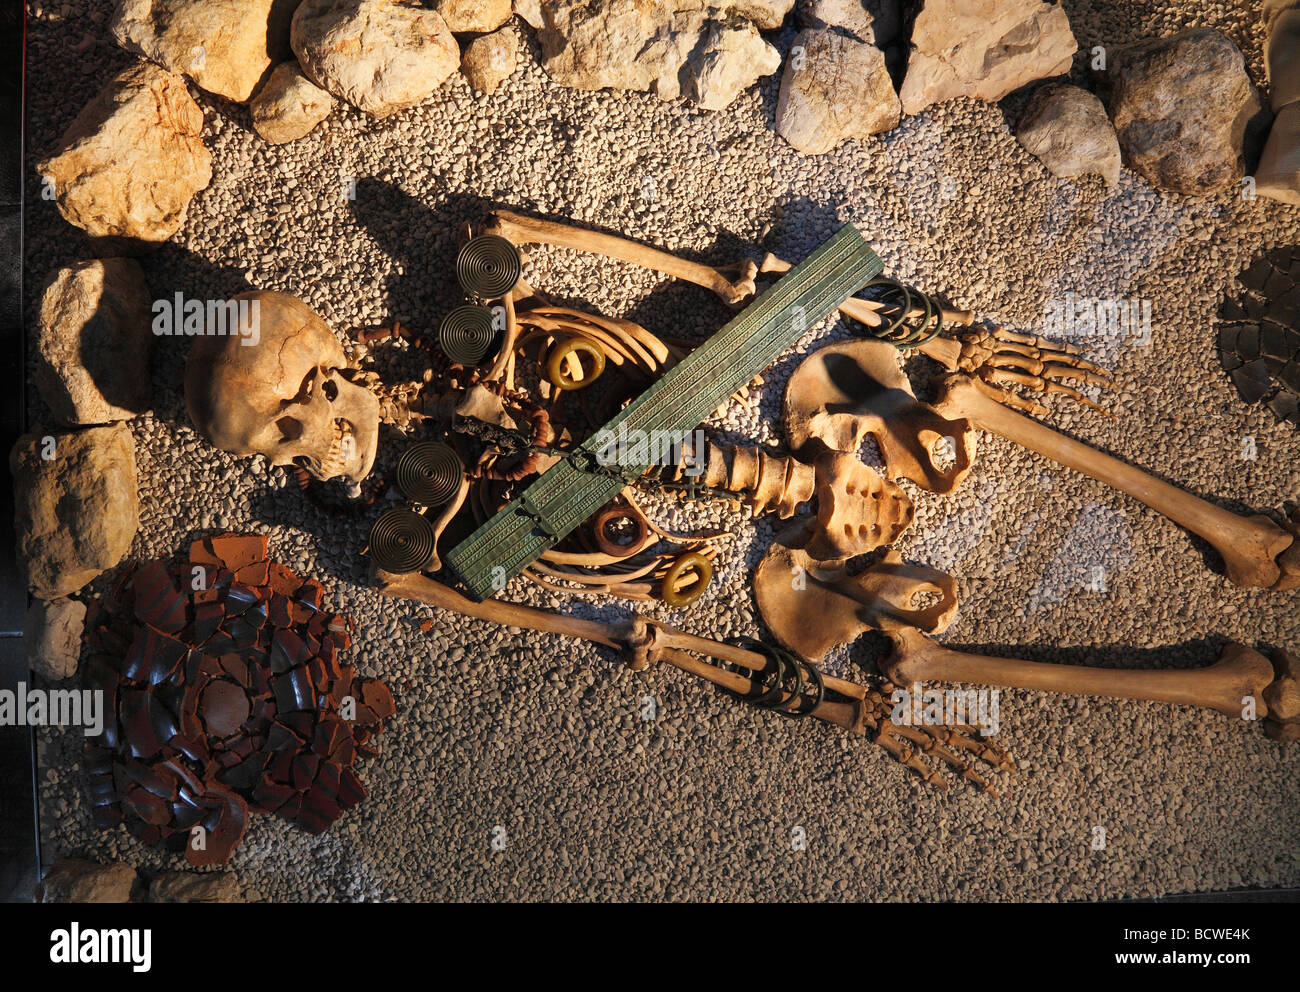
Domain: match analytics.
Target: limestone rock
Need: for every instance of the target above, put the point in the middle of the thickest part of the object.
(839, 88)
(289, 105)
(767, 15)
(531, 12)
(646, 45)
(188, 886)
(984, 49)
(379, 56)
(877, 21)
(489, 60)
(52, 637)
(1068, 129)
(226, 48)
(729, 59)
(1181, 106)
(130, 163)
(75, 513)
(76, 880)
(93, 342)
(474, 16)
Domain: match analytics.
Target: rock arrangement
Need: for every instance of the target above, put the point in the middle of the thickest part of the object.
(225, 691)
(1259, 334)
(76, 506)
(133, 160)
(76, 880)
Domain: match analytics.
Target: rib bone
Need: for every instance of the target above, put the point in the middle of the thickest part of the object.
(1249, 546)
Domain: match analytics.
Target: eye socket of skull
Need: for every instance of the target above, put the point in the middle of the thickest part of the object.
(282, 395)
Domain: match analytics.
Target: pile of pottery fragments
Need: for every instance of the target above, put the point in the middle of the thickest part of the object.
(225, 690)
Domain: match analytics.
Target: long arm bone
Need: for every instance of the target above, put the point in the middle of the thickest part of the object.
(1239, 674)
(1256, 552)
(530, 230)
(644, 641)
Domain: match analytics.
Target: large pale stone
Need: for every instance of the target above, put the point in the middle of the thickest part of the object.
(76, 880)
(226, 46)
(876, 21)
(188, 886)
(289, 106)
(474, 16)
(649, 45)
(732, 55)
(379, 56)
(93, 342)
(132, 160)
(834, 87)
(531, 12)
(766, 14)
(75, 511)
(52, 637)
(489, 60)
(1181, 106)
(1068, 129)
(984, 49)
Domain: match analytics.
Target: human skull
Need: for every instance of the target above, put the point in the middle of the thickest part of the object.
(278, 392)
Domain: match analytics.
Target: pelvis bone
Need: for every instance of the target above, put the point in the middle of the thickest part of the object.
(811, 606)
(841, 393)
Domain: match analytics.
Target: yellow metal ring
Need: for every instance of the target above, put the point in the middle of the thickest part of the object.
(559, 375)
(695, 590)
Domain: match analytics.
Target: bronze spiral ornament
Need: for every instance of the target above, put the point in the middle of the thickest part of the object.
(488, 267)
(401, 541)
(430, 473)
(466, 334)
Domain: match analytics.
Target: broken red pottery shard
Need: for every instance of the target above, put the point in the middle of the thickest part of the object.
(237, 551)
(223, 708)
(157, 600)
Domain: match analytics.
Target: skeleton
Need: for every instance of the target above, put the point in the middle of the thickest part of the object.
(838, 396)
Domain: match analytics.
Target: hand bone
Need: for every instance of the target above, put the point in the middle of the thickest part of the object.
(1239, 674)
(844, 391)
(1250, 546)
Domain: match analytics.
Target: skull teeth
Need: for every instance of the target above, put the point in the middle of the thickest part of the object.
(335, 463)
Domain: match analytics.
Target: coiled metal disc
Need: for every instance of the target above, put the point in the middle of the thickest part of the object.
(488, 267)
(402, 541)
(466, 334)
(430, 473)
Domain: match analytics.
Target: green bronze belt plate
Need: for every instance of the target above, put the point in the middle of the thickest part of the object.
(570, 491)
